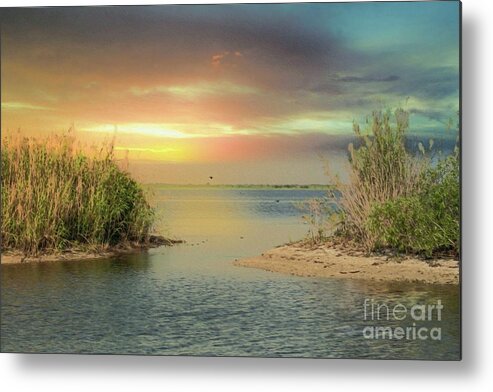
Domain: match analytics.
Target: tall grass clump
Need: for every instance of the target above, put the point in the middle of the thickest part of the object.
(380, 170)
(56, 196)
(398, 199)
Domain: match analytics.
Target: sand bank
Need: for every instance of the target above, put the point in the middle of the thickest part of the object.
(325, 261)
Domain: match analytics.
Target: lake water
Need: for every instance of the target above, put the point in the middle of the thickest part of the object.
(190, 300)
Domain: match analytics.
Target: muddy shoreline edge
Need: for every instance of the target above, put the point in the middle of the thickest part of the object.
(155, 241)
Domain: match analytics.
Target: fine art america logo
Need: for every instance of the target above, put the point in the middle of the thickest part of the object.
(411, 321)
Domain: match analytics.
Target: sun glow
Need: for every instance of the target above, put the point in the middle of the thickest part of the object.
(162, 130)
(162, 154)
(197, 90)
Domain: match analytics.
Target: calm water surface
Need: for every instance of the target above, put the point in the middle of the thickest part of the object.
(190, 300)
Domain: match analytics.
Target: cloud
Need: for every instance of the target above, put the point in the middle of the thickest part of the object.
(23, 106)
(240, 68)
(366, 79)
(175, 41)
(225, 58)
(196, 90)
(432, 83)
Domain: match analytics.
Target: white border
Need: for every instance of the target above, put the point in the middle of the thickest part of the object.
(88, 373)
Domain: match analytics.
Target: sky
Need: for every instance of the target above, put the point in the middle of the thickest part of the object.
(242, 93)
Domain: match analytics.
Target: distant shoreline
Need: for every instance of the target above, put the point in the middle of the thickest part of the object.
(16, 257)
(325, 261)
(242, 186)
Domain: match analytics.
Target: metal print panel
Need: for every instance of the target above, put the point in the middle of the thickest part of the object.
(265, 180)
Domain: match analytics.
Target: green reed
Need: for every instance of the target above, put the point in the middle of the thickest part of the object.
(56, 195)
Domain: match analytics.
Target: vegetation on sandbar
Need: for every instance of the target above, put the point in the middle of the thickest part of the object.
(57, 196)
(396, 199)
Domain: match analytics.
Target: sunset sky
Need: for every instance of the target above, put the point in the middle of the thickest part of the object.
(243, 93)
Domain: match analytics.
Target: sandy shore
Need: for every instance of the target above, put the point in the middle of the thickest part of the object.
(328, 262)
(13, 257)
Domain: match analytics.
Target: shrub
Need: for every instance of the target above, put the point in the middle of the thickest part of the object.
(427, 222)
(56, 196)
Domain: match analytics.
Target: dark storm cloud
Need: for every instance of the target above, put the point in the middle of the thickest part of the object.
(436, 115)
(428, 83)
(278, 48)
